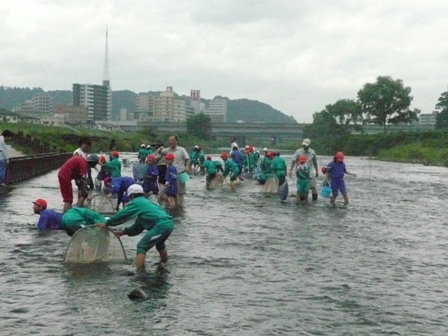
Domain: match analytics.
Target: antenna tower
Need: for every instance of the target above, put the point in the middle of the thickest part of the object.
(106, 75)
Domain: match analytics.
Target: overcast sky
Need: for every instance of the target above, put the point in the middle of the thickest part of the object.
(294, 55)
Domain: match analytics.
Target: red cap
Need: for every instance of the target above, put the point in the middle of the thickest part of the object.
(102, 159)
(107, 180)
(224, 155)
(41, 202)
(270, 154)
(169, 156)
(302, 159)
(150, 157)
(323, 170)
(208, 157)
(115, 153)
(339, 156)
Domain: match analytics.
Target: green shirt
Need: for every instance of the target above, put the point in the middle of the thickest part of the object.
(230, 166)
(278, 164)
(81, 217)
(209, 166)
(147, 215)
(113, 167)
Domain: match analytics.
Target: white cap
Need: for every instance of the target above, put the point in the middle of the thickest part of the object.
(247, 146)
(135, 189)
(265, 149)
(196, 146)
(143, 145)
(306, 142)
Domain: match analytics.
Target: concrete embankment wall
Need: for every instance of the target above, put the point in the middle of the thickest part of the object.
(26, 167)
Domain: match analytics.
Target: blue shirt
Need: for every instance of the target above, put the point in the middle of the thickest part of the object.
(237, 157)
(49, 220)
(336, 169)
(152, 171)
(120, 185)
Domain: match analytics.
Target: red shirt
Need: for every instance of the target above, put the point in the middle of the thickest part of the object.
(74, 168)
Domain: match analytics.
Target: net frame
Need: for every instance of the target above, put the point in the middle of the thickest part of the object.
(90, 227)
(106, 202)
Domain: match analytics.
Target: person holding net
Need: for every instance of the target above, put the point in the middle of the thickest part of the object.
(148, 216)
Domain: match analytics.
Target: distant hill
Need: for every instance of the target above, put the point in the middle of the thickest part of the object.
(239, 109)
(255, 111)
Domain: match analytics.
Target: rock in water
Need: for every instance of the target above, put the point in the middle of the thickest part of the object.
(137, 295)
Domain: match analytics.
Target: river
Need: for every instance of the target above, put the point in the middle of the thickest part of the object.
(243, 263)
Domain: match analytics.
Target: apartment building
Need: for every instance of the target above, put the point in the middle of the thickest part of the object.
(97, 98)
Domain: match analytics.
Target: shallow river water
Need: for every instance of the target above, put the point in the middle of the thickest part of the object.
(243, 263)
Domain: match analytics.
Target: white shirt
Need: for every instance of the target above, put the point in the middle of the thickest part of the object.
(233, 145)
(3, 149)
(310, 158)
(80, 153)
(180, 157)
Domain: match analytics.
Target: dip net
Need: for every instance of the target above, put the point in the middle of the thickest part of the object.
(283, 191)
(270, 186)
(216, 182)
(102, 204)
(91, 244)
(139, 172)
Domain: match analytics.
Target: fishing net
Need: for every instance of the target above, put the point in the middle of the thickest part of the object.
(139, 172)
(91, 244)
(283, 191)
(270, 186)
(216, 182)
(154, 198)
(102, 204)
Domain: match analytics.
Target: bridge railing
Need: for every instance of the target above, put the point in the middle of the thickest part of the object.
(26, 167)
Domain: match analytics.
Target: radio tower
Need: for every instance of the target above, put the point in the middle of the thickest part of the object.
(106, 75)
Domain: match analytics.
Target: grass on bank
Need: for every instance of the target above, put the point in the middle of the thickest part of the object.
(416, 153)
(66, 138)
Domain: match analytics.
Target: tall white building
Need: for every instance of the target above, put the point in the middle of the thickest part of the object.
(43, 104)
(144, 106)
(428, 118)
(217, 110)
(97, 98)
(168, 107)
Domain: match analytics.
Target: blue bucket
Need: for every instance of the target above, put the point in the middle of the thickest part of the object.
(183, 177)
(326, 192)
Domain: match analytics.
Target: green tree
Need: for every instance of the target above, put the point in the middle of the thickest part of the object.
(325, 132)
(442, 116)
(345, 111)
(200, 126)
(387, 102)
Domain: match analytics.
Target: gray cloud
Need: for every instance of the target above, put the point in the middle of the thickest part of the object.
(297, 56)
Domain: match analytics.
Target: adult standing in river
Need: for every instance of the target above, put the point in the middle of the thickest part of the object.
(83, 151)
(75, 169)
(160, 163)
(4, 155)
(311, 157)
(181, 163)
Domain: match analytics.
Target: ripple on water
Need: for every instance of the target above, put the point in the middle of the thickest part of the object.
(244, 263)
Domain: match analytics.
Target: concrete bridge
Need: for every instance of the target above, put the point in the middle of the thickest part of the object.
(260, 132)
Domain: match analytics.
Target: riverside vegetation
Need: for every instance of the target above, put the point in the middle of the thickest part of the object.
(427, 147)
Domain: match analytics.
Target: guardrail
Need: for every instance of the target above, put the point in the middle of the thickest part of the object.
(26, 167)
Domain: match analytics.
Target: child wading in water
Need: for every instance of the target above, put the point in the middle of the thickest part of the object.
(303, 180)
(150, 185)
(171, 182)
(335, 174)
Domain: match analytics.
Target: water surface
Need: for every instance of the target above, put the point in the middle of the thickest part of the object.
(243, 263)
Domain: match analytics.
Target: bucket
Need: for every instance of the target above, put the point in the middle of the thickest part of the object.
(183, 177)
(326, 192)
